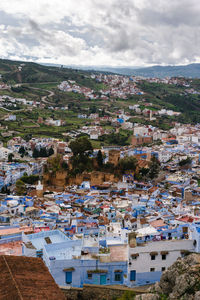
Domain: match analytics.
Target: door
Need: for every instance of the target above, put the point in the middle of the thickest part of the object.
(103, 279)
(68, 277)
(133, 275)
(95, 279)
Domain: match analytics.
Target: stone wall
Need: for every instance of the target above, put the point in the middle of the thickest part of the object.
(98, 292)
(95, 178)
(57, 180)
(114, 156)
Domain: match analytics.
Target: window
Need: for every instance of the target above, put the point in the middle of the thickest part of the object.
(152, 269)
(89, 275)
(118, 276)
(163, 269)
(68, 277)
(153, 257)
(163, 256)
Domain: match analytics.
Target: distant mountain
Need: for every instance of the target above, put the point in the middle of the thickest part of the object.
(192, 70)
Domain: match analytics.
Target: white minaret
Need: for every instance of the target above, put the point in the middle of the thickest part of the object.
(150, 115)
(39, 189)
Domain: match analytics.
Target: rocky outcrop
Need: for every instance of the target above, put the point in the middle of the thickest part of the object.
(180, 281)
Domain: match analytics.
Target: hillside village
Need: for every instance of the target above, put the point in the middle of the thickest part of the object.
(111, 200)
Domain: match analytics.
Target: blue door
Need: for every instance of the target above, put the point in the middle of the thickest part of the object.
(133, 275)
(68, 277)
(102, 279)
(95, 279)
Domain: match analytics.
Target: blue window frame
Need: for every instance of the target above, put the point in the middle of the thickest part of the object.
(68, 277)
(118, 276)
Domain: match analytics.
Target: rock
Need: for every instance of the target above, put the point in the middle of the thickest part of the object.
(180, 281)
(197, 295)
(147, 297)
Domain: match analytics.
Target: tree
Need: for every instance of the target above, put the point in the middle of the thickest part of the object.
(100, 158)
(28, 137)
(185, 162)
(81, 146)
(51, 151)
(22, 150)
(128, 163)
(32, 179)
(35, 153)
(55, 164)
(43, 152)
(10, 157)
(5, 190)
(20, 187)
(154, 168)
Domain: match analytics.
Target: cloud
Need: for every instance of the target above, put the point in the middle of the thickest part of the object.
(94, 32)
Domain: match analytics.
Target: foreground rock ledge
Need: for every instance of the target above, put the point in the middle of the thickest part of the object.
(180, 281)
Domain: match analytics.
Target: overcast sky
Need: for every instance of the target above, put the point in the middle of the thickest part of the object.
(101, 32)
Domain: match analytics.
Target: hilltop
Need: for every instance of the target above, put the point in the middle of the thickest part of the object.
(28, 72)
(190, 71)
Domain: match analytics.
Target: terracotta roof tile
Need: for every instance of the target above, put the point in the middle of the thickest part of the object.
(26, 278)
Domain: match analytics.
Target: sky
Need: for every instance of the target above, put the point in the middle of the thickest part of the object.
(101, 32)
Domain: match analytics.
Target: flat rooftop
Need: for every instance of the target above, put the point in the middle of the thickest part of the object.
(40, 239)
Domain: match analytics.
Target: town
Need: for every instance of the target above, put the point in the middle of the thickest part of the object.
(100, 176)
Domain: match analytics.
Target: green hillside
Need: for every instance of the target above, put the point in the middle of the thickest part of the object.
(36, 73)
(39, 83)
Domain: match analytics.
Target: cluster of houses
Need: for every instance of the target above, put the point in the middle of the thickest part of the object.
(127, 232)
(116, 86)
(11, 172)
(6, 101)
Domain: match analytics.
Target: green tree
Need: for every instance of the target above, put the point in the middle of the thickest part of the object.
(54, 164)
(20, 187)
(22, 150)
(28, 137)
(43, 152)
(128, 163)
(185, 162)
(100, 158)
(51, 151)
(35, 153)
(32, 179)
(154, 168)
(10, 157)
(81, 146)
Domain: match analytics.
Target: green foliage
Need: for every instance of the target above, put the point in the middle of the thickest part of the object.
(128, 295)
(5, 190)
(28, 137)
(55, 164)
(10, 157)
(128, 163)
(20, 187)
(32, 179)
(100, 159)
(115, 139)
(22, 150)
(81, 146)
(42, 152)
(185, 162)
(154, 168)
